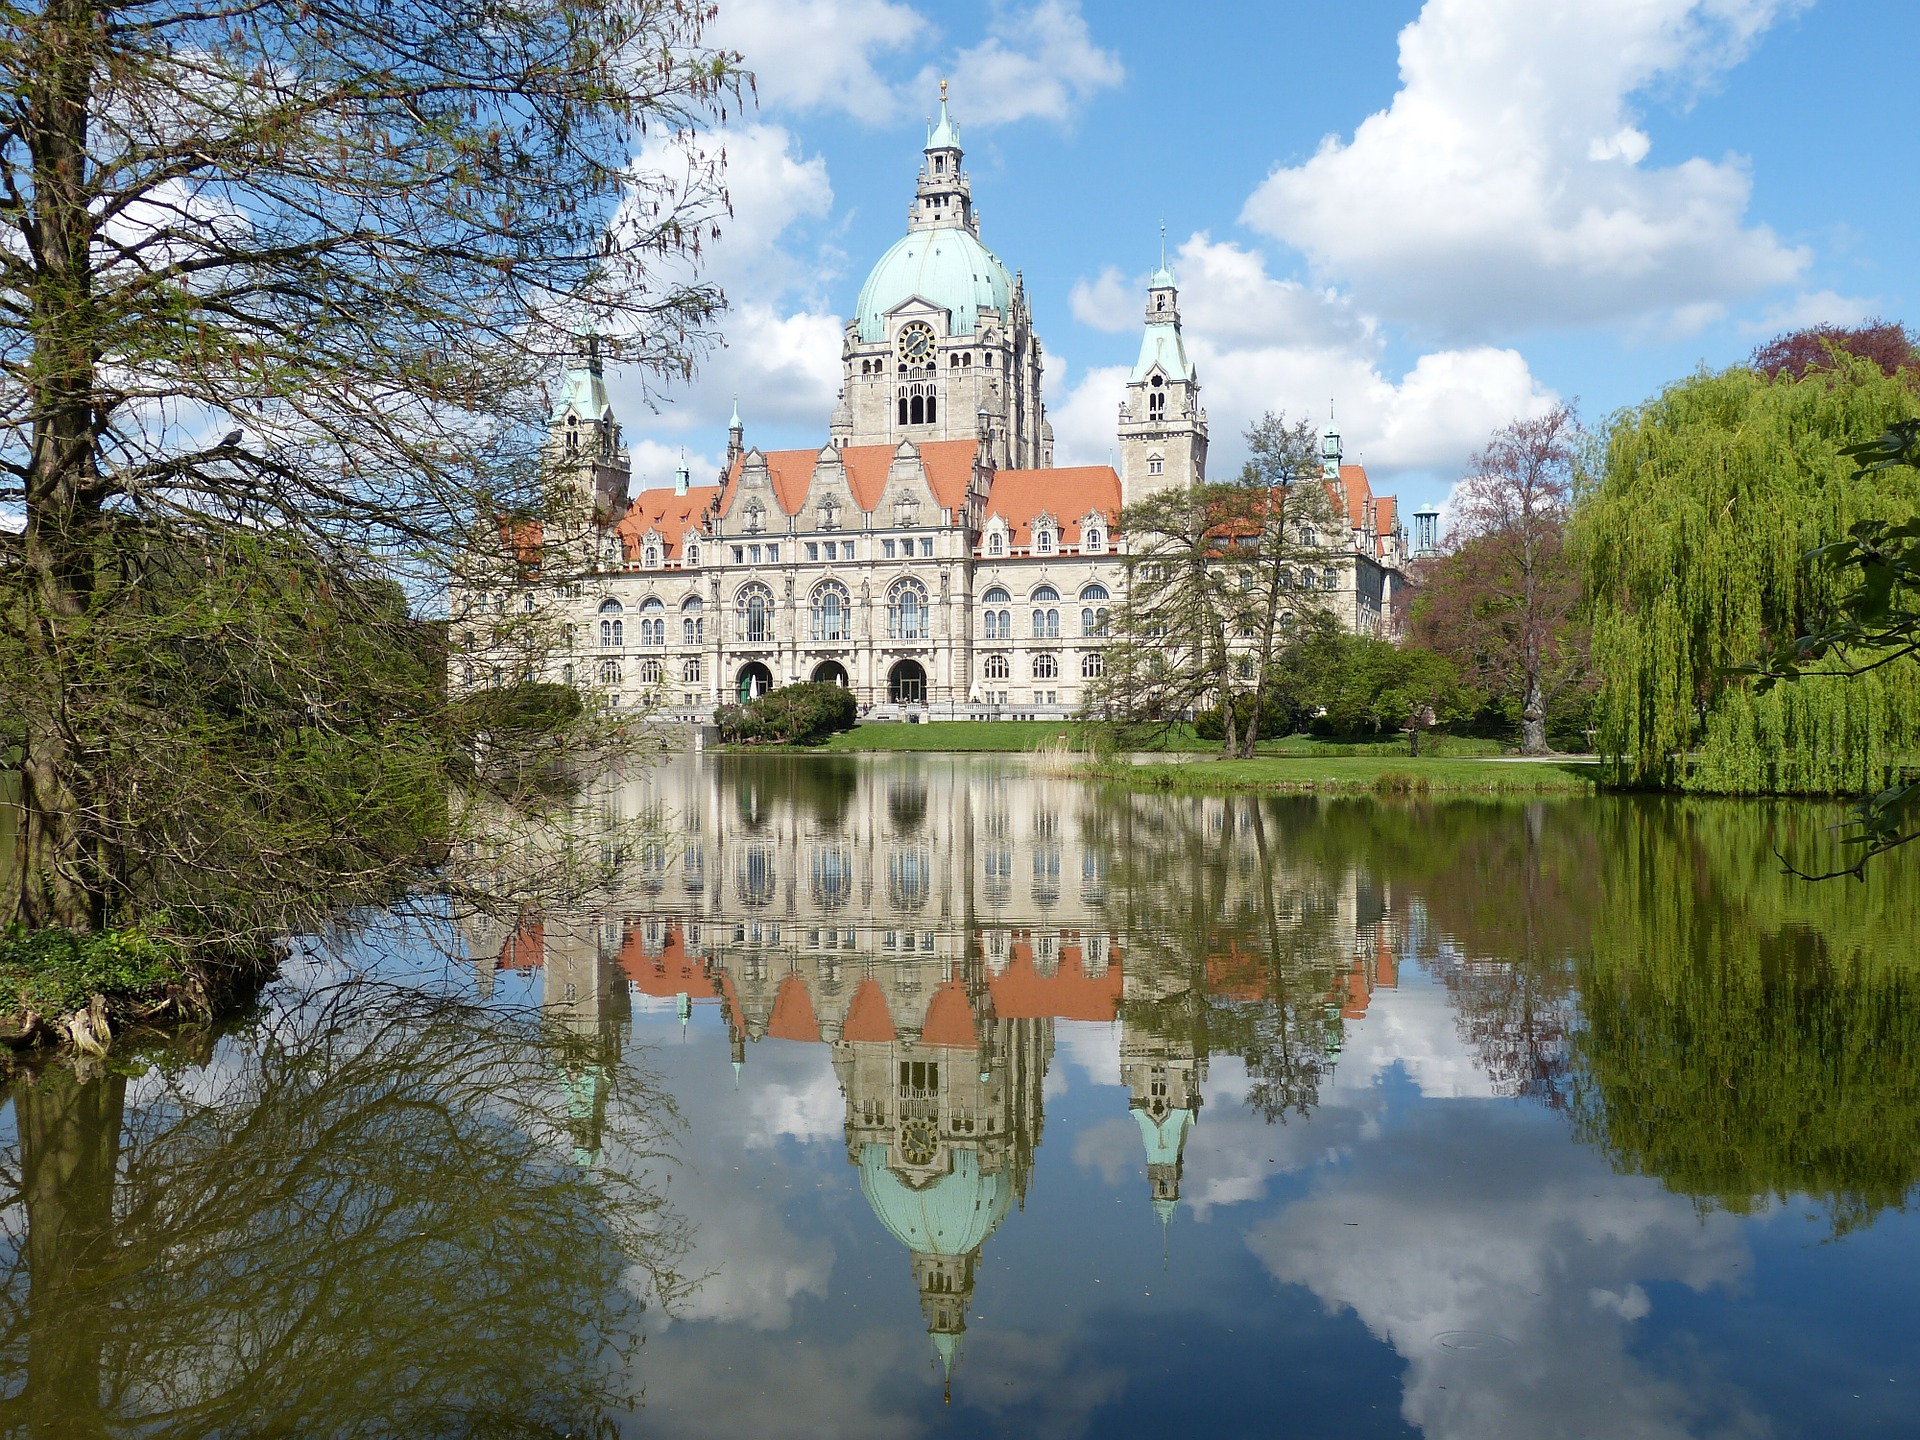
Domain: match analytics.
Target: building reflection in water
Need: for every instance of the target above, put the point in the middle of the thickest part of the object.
(930, 924)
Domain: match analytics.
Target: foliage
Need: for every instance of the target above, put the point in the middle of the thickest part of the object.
(1216, 573)
(1798, 353)
(537, 706)
(1874, 623)
(54, 972)
(365, 1219)
(1501, 600)
(1696, 544)
(804, 714)
(1745, 1035)
(354, 236)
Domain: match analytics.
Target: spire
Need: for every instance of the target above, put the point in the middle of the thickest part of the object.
(681, 479)
(736, 435)
(1163, 277)
(945, 135)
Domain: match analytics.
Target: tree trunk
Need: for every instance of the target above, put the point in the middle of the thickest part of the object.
(1533, 719)
(69, 1148)
(59, 882)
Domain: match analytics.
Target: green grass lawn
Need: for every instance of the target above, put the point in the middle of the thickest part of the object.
(1005, 736)
(1365, 774)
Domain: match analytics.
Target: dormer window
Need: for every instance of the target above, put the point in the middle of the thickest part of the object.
(652, 557)
(996, 543)
(692, 554)
(1095, 539)
(1043, 540)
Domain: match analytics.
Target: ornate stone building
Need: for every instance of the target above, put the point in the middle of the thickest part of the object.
(928, 553)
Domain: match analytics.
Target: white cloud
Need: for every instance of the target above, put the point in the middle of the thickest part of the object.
(820, 54)
(1505, 184)
(1263, 343)
(1035, 64)
(782, 342)
(1820, 307)
(1536, 1244)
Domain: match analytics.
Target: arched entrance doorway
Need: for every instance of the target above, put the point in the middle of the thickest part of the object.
(907, 683)
(830, 672)
(753, 682)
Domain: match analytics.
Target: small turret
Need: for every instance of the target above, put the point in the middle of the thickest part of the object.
(736, 435)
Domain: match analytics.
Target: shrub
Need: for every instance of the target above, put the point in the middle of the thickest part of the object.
(792, 715)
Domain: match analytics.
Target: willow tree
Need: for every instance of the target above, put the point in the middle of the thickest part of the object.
(279, 288)
(1697, 543)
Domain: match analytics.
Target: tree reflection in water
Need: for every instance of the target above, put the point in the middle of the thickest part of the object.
(360, 1215)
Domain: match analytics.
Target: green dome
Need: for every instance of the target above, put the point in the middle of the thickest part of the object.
(953, 1215)
(947, 266)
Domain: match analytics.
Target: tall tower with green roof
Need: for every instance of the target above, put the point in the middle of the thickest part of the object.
(941, 344)
(1163, 430)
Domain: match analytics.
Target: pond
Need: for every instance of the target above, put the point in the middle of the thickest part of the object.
(920, 1095)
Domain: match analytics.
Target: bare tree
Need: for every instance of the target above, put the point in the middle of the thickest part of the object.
(279, 286)
(1501, 600)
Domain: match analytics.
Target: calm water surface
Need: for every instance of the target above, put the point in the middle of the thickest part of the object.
(920, 1096)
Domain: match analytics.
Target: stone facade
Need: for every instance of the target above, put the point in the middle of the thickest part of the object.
(928, 555)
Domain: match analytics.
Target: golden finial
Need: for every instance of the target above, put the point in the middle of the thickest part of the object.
(943, 91)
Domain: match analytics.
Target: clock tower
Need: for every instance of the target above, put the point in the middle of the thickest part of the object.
(941, 346)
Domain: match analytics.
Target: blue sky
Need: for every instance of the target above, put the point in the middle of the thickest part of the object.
(1437, 216)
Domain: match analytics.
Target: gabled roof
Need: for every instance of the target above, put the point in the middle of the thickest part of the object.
(668, 514)
(948, 464)
(1069, 495)
(1021, 992)
(1355, 490)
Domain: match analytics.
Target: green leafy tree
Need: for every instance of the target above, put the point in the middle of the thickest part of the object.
(282, 285)
(1698, 545)
(1216, 574)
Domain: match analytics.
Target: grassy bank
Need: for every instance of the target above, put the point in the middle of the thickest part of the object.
(1357, 775)
(1016, 736)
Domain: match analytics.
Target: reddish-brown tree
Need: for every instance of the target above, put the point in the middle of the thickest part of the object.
(1798, 351)
(1500, 600)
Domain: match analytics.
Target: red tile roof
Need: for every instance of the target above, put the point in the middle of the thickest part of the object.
(948, 463)
(793, 1017)
(668, 514)
(949, 1022)
(1069, 495)
(867, 1016)
(1021, 992)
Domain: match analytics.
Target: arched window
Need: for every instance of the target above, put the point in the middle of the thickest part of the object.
(609, 672)
(650, 672)
(650, 557)
(755, 604)
(919, 413)
(1093, 666)
(690, 670)
(903, 407)
(1095, 591)
(996, 543)
(907, 611)
(1157, 400)
(1093, 620)
(692, 560)
(909, 877)
(613, 630)
(1046, 619)
(693, 624)
(831, 611)
(1043, 540)
(832, 877)
(573, 432)
(1093, 539)
(998, 668)
(653, 621)
(999, 622)
(1046, 667)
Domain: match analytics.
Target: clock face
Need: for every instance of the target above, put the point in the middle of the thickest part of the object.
(916, 342)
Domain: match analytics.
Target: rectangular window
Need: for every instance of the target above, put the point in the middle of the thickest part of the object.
(926, 547)
(773, 554)
(813, 551)
(753, 554)
(738, 555)
(887, 549)
(829, 549)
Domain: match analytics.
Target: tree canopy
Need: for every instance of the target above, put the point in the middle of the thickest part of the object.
(280, 291)
(1696, 543)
